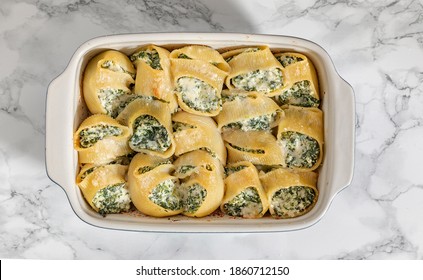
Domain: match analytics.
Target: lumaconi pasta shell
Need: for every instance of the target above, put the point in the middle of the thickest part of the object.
(96, 78)
(253, 105)
(204, 135)
(254, 140)
(200, 70)
(281, 178)
(155, 82)
(308, 121)
(104, 150)
(203, 53)
(245, 62)
(154, 108)
(300, 71)
(100, 178)
(211, 180)
(237, 182)
(141, 185)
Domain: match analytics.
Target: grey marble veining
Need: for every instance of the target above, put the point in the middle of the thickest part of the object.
(377, 46)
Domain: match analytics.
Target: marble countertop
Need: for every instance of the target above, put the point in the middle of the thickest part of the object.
(377, 46)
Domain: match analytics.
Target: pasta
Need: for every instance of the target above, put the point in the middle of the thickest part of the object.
(290, 193)
(202, 186)
(192, 131)
(300, 136)
(100, 139)
(244, 196)
(301, 87)
(107, 81)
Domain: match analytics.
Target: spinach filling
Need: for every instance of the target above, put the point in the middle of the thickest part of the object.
(185, 169)
(233, 169)
(245, 204)
(245, 51)
(247, 150)
(193, 198)
(286, 60)
(91, 135)
(299, 94)
(149, 134)
(88, 172)
(112, 199)
(301, 150)
(179, 126)
(291, 202)
(198, 95)
(151, 57)
(255, 123)
(166, 195)
(147, 168)
(110, 100)
(184, 56)
(112, 66)
(259, 80)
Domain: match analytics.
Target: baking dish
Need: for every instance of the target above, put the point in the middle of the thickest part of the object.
(65, 110)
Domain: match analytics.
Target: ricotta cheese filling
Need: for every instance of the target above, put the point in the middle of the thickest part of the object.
(112, 66)
(234, 169)
(179, 126)
(91, 135)
(145, 169)
(246, 204)
(184, 169)
(293, 201)
(149, 134)
(166, 195)
(198, 95)
(259, 80)
(255, 123)
(300, 150)
(299, 94)
(151, 57)
(286, 60)
(193, 197)
(110, 100)
(112, 199)
(247, 150)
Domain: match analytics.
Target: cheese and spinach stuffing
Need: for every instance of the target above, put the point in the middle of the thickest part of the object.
(300, 150)
(198, 95)
(179, 126)
(148, 168)
(88, 172)
(183, 56)
(229, 170)
(91, 135)
(286, 60)
(245, 204)
(166, 195)
(149, 134)
(293, 201)
(299, 94)
(111, 99)
(112, 199)
(112, 66)
(247, 150)
(193, 197)
(256, 123)
(184, 169)
(259, 80)
(245, 51)
(151, 57)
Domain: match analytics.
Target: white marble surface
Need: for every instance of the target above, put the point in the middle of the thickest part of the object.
(377, 46)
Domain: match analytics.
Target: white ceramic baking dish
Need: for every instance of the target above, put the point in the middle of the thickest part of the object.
(65, 111)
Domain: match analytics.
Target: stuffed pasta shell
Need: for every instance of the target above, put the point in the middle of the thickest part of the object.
(105, 188)
(257, 147)
(153, 75)
(153, 190)
(244, 195)
(107, 81)
(302, 88)
(100, 139)
(150, 124)
(202, 186)
(192, 132)
(198, 85)
(300, 136)
(290, 193)
(254, 69)
(251, 111)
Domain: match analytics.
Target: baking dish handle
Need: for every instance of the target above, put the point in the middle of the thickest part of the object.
(59, 159)
(344, 118)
